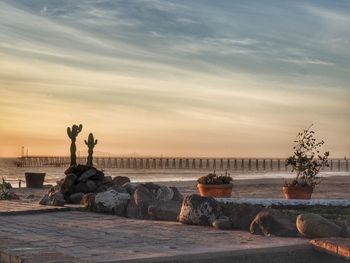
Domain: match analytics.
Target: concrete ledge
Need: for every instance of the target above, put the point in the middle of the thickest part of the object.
(283, 254)
(286, 202)
(20, 208)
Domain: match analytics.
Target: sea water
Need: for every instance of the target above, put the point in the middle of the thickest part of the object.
(9, 171)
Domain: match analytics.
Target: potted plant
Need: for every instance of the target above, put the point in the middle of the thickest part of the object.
(215, 185)
(307, 163)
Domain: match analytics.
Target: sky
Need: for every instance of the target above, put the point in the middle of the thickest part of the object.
(174, 78)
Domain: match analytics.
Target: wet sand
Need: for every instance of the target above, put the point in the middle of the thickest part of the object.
(330, 188)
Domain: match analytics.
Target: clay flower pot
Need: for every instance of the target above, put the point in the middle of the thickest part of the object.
(297, 192)
(35, 180)
(215, 190)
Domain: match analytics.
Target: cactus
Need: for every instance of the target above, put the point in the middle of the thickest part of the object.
(72, 134)
(91, 142)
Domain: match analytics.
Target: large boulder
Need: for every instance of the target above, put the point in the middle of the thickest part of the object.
(272, 222)
(139, 202)
(111, 202)
(67, 186)
(55, 198)
(165, 210)
(198, 210)
(313, 225)
(241, 216)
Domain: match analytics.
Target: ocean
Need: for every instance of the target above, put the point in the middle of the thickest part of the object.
(10, 172)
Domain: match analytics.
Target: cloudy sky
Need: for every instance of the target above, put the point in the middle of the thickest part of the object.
(190, 78)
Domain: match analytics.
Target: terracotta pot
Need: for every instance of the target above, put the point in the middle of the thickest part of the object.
(215, 190)
(297, 192)
(35, 180)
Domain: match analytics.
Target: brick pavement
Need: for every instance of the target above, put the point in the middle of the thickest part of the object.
(107, 238)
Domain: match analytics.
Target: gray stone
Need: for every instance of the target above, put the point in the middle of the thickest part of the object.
(86, 187)
(67, 186)
(197, 210)
(139, 202)
(272, 222)
(45, 200)
(112, 202)
(313, 225)
(54, 199)
(241, 216)
(76, 198)
(223, 223)
(121, 180)
(164, 193)
(165, 210)
(86, 175)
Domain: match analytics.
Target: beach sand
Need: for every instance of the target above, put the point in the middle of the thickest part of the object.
(336, 187)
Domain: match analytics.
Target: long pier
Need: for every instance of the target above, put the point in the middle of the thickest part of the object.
(205, 163)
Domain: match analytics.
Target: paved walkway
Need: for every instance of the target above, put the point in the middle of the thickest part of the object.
(107, 238)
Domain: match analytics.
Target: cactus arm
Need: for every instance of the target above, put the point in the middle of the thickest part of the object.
(86, 142)
(95, 142)
(80, 128)
(69, 132)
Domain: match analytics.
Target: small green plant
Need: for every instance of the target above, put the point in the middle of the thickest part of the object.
(6, 184)
(5, 193)
(213, 178)
(72, 134)
(306, 160)
(91, 142)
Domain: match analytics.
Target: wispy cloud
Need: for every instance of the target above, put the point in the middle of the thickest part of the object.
(175, 68)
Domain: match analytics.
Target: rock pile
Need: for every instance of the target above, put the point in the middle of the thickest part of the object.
(197, 210)
(206, 211)
(137, 200)
(79, 180)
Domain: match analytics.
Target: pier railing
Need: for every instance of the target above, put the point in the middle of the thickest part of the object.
(205, 163)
